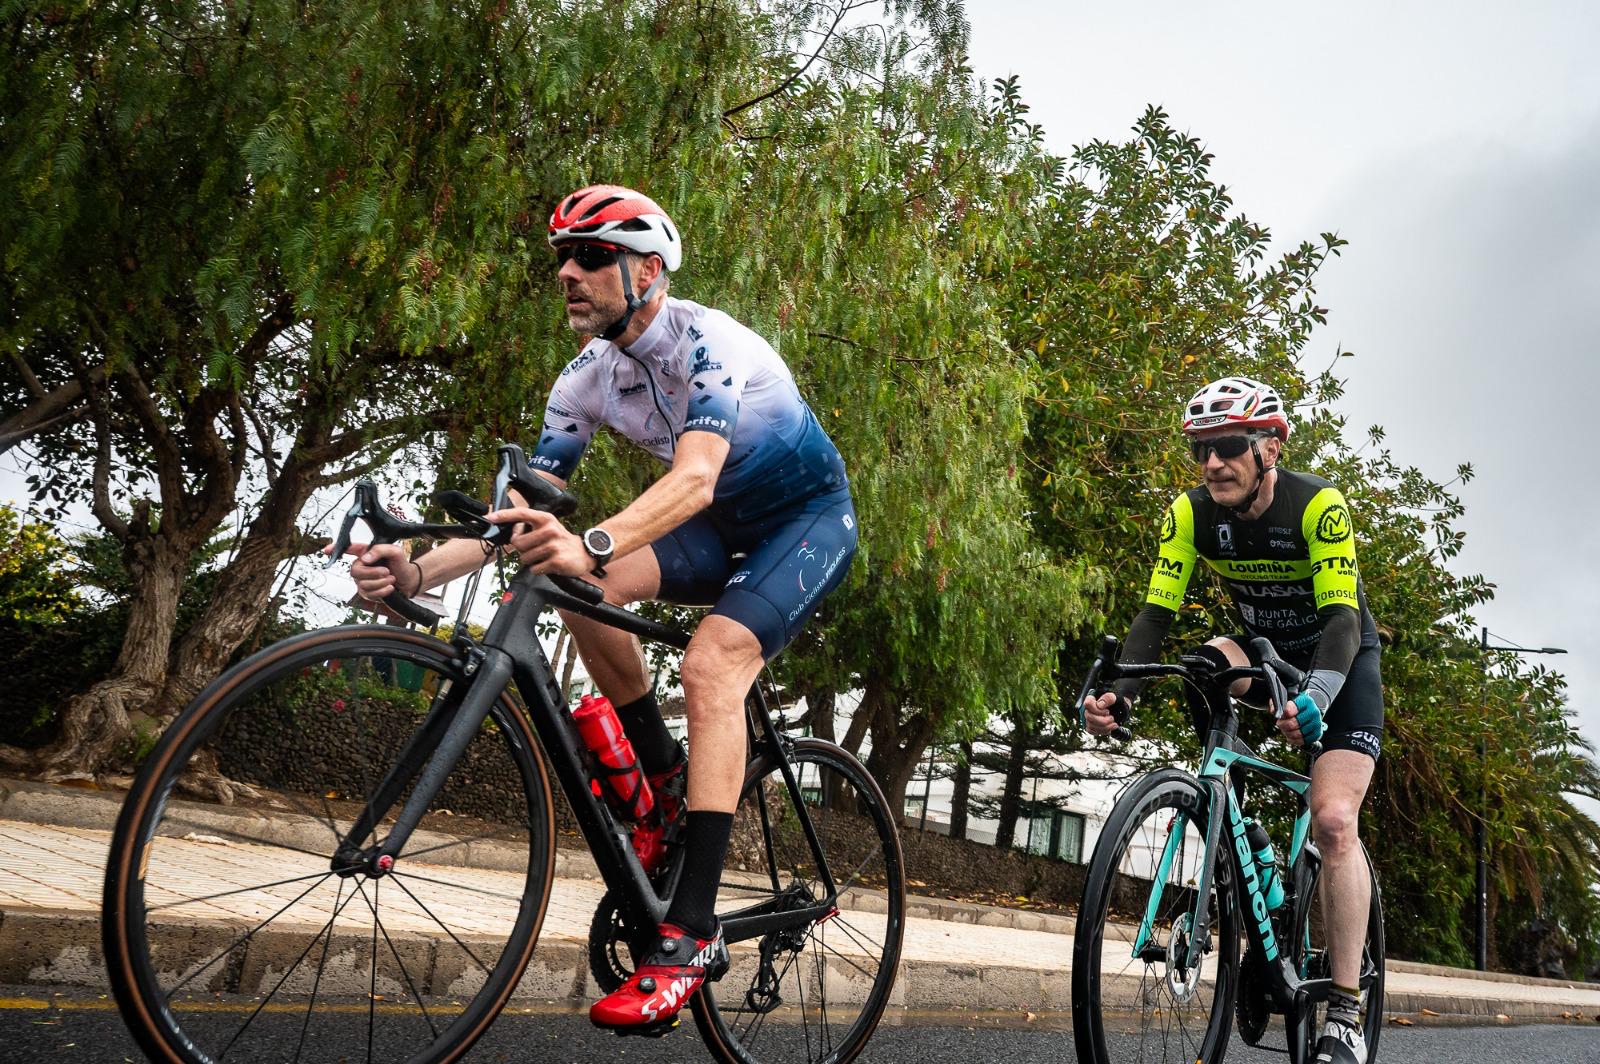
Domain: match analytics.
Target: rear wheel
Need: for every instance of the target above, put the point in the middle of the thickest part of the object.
(233, 907)
(1135, 994)
(1309, 933)
(811, 993)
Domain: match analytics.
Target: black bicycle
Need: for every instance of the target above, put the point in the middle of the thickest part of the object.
(378, 883)
(1181, 877)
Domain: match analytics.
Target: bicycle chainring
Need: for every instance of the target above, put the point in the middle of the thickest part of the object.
(610, 960)
(1253, 1005)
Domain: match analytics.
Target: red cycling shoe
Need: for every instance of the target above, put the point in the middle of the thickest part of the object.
(649, 1002)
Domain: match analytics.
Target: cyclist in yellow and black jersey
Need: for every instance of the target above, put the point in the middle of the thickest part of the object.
(1284, 545)
(1292, 573)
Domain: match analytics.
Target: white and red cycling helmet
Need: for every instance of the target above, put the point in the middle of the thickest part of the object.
(1237, 402)
(612, 214)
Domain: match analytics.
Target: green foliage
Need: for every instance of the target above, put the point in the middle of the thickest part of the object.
(36, 584)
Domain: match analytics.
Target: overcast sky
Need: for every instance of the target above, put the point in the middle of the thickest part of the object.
(1457, 148)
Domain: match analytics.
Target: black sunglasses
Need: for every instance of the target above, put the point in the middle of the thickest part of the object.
(1225, 446)
(590, 257)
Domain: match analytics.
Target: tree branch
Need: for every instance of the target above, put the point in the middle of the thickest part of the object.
(51, 407)
(104, 512)
(844, 9)
(26, 372)
(349, 443)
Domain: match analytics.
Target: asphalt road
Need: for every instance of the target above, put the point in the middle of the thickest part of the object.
(39, 1024)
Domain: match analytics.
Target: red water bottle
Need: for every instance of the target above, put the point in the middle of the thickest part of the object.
(603, 735)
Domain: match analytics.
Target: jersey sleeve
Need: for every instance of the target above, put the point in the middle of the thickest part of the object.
(717, 378)
(1176, 561)
(1331, 541)
(569, 421)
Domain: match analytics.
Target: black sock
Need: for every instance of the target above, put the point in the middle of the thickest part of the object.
(694, 904)
(655, 747)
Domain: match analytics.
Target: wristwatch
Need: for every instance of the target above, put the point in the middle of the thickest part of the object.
(599, 544)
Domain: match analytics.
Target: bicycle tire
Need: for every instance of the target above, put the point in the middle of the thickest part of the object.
(1305, 1027)
(1153, 803)
(291, 677)
(860, 837)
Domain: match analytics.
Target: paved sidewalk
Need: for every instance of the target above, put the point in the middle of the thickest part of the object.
(955, 956)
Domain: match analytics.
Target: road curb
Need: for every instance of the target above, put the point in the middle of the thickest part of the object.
(58, 948)
(62, 947)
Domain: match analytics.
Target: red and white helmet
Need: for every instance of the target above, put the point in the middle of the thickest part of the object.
(1236, 402)
(621, 216)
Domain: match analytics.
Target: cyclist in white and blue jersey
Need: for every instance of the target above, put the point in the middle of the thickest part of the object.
(753, 517)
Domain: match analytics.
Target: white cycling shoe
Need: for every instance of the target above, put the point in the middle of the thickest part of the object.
(1340, 1044)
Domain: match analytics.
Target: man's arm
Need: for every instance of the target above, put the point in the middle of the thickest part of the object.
(686, 489)
(1330, 534)
(1168, 581)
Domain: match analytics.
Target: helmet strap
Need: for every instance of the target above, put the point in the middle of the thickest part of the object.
(620, 326)
(1261, 478)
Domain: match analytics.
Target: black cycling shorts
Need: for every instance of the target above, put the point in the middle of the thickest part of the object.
(1355, 720)
(770, 574)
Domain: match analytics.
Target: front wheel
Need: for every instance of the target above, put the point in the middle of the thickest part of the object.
(1309, 935)
(240, 921)
(813, 993)
(1134, 989)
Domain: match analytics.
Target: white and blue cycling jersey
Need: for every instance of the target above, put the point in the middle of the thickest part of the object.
(696, 370)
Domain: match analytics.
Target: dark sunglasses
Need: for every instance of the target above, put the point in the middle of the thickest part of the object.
(1225, 446)
(590, 257)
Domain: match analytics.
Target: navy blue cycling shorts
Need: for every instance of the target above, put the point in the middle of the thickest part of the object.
(790, 561)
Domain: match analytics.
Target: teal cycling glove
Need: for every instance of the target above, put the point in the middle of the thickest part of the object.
(1309, 716)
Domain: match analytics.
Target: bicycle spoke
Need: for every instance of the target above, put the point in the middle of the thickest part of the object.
(285, 978)
(414, 854)
(249, 840)
(805, 1025)
(246, 937)
(459, 886)
(322, 963)
(848, 960)
(856, 935)
(463, 946)
(822, 985)
(229, 893)
(405, 972)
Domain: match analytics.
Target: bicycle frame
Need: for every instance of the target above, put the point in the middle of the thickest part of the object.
(1225, 754)
(510, 651)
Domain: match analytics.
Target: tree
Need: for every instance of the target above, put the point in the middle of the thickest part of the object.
(252, 252)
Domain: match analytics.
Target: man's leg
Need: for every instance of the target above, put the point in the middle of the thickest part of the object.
(722, 661)
(1338, 786)
(614, 658)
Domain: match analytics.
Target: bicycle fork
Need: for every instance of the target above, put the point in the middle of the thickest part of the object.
(490, 670)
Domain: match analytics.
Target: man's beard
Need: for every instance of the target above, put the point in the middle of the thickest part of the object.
(595, 318)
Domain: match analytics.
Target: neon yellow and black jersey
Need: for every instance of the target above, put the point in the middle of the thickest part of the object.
(1291, 572)
(1281, 569)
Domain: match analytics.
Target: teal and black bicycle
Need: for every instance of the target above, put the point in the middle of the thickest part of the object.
(1186, 921)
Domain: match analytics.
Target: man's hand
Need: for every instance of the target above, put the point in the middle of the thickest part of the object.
(1301, 722)
(1097, 716)
(543, 542)
(379, 570)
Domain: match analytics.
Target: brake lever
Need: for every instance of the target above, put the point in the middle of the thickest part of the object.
(514, 472)
(1280, 676)
(366, 499)
(1105, 664)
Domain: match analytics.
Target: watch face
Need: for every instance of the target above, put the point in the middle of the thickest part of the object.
(598, 541)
